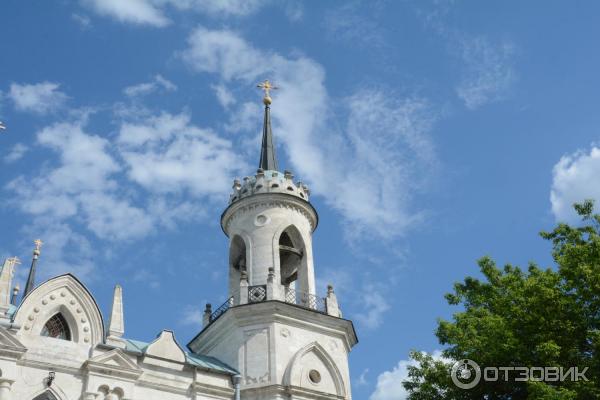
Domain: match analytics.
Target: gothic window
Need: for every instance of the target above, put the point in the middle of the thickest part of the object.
(45, 396)
(237, 264)
(57, 327)
(290, 256)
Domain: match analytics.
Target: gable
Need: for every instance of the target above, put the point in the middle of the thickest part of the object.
(114, 363)
(68, 296)
(9, 345)
(166, 347)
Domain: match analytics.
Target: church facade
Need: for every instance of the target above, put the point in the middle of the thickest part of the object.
(273, 338)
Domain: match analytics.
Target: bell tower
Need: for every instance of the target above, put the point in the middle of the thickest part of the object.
(285, 340)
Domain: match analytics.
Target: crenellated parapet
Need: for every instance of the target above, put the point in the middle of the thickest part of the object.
(268, 182)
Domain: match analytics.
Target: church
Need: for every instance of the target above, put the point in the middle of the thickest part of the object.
(273, 338)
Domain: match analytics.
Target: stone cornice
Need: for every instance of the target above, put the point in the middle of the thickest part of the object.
(269, 200)
(293, 391)
(99, 368)
(204, 388)
(270, 312)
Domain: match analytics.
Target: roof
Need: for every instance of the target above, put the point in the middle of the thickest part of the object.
(196, 360)
(268, 160)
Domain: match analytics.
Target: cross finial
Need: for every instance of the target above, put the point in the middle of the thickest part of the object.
(267, 86)
(14, 261)
(38, 245)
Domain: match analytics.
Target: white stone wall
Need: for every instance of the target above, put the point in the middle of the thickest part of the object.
(260, 221)
(90, 369)
(276, 345)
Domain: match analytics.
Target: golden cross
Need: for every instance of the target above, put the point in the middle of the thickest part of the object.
(14, 261)
(267, 87)
(38, 244)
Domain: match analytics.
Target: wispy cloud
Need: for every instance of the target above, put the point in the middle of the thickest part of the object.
(39, 98)
(384, 136)
(166, 154)
(224, 95)
(192, 315)
(362, 379)
(374, 306)
(153, 13)
(488, 73)
(351, 23)
(15, 153)
(142, 89)
(82, 20)
(141, 12)
(574, 179)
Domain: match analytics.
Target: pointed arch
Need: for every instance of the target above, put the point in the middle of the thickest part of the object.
(293, 374)
(57, 327)
(239, 261)
(293, 258)
(67, 296)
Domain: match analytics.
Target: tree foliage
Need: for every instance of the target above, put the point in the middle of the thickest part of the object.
(533, 318)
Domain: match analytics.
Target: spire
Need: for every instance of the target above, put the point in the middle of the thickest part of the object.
(31, 278)
(268, 160)
(116, 326)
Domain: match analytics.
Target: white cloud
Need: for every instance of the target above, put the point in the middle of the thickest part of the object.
(153, 12)
(142, 12)
(246, 118)
(223, 8)
(167, 154)
(574, 179)
(224, 95)
(362, 379)
(368, 170)
(82, 186)
(142, 89)
(15, 153)
(489, 72)
(374, 305)
(389, 383)
(39, 98)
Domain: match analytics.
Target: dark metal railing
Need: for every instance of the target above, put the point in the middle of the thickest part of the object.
(221, 310)
(306, 300)
(257, 293)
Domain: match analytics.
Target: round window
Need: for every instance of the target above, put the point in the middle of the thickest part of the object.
(314, 376)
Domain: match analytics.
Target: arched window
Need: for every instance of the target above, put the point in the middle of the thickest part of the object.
(237, 265)
(57, 327)
(47, 395)
(290, 255)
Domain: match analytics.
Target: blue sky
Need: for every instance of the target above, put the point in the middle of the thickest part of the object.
(430, 134)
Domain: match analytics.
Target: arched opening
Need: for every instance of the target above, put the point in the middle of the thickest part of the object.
(47, 395)
(290, 258)
(237, 265)
(57, 327)
(293, 266)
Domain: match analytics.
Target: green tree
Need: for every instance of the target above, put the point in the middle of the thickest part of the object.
(514, 317)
